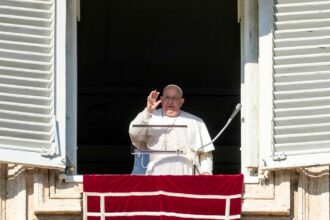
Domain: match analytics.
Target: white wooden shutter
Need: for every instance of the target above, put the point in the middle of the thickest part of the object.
(29, 131)
(301, 83)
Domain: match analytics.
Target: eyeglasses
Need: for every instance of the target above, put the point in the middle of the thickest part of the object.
(174, 98)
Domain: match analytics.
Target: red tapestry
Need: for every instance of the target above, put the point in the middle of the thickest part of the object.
(162, 197)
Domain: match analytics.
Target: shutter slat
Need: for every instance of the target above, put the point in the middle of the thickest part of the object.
(23, 29)
(25, 116)
(25, 125)
(309, 146)
(302, 120)
(302, 6)
(302, 111)
(25, 38)
(33, 4)
(21, 46)
(303, 76)
(301, 50)
(26, 134)
(294, 103)
(37, 84)
(22, 55)
(305, 59)
(28, 21)
(17, 143)
(303, 24)
(298, 1)
(24, 90)
(28, 108)
(300, 94)
(302, 137)
(301, 85)
(26, 12)
(305, 33)
(25, 64)
(26, 99)
(305, 15)
(298, 41)
(302, 67)
(302, 129)
(27, 73)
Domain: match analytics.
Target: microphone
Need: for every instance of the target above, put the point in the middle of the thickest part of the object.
(236, 110)
(232, 116)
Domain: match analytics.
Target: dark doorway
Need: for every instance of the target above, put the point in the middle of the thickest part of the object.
(128, 47)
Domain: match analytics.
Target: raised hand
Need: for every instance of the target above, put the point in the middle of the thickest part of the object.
(152, 102)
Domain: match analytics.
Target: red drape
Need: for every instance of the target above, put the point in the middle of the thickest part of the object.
(162, 197)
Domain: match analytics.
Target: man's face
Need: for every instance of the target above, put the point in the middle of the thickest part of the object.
(171, 101)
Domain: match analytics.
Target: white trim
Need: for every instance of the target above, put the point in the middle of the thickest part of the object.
(164, 193)
(102, 207)
(60, 73)
(104, 214)
(291, 161)
(265, 79)
(170, 214)
(227, 212)
(71, 85)
(31, 158)
(249, 87)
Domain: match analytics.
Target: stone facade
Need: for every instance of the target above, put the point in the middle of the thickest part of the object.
(35, 193)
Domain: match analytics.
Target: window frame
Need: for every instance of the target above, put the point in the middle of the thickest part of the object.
(248, 18)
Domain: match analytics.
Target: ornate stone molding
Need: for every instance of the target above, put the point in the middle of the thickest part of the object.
(55, 197)
(271, 198)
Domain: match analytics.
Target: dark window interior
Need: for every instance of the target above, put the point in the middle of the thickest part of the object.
(126, 48)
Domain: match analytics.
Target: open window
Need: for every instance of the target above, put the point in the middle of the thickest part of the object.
(32, 83)
(294, 83)
(128, 48)
(122, 45)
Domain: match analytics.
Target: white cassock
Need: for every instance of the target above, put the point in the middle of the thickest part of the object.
(187, 140)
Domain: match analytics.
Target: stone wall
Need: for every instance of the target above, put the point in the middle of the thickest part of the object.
(41, 194)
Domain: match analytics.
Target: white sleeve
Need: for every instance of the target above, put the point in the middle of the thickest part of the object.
(206, 162)
(206, 139)
(138, 135)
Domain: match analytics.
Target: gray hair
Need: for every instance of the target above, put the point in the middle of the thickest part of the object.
(174, 86)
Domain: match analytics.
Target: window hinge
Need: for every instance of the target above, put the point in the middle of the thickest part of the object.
(278, 156)
(46, 152)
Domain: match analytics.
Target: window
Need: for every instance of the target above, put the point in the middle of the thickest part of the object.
(36, 56)
(32, 85)
(294, 83)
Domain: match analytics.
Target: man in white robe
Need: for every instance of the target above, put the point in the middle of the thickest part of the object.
(171, 129)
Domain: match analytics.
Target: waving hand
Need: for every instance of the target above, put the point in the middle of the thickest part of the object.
(152, 102)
